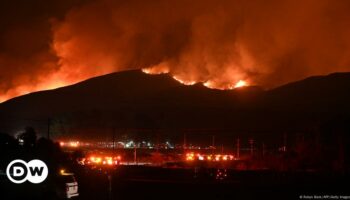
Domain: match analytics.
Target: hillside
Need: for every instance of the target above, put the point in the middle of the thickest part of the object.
(132, 99)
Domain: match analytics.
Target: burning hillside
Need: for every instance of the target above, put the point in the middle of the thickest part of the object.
(223, 45)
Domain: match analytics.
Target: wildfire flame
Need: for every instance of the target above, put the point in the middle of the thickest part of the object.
(162, 69)
(156, 70)
(202, 42)
(209, 84)
(214, 85)
(185, 82)
(49, 84)
(55, 82)
(241, 83)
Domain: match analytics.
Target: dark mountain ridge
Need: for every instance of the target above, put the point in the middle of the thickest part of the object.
(132, 99)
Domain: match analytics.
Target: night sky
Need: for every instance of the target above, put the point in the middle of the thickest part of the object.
(48, 44)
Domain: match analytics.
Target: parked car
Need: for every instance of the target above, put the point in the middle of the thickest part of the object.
(66, 186)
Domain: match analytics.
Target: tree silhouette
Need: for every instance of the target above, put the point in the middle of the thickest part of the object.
(28, 138)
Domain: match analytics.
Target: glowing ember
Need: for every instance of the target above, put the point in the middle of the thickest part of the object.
(241, 83)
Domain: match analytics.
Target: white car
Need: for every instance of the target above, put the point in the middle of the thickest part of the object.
(67, 186)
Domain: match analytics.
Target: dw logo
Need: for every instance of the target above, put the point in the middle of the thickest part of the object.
(35, 171)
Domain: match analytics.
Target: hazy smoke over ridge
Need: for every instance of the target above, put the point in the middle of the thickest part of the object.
(218, 42)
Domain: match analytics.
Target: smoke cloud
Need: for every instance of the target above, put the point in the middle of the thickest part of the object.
(219, 43)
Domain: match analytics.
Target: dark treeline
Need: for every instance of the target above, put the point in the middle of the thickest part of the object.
(27, 146)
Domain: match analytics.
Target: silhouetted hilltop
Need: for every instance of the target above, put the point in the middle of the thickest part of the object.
(132, 99)
(318, 94)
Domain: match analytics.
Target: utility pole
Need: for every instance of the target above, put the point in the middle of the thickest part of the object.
(110, 192)
(184, 144)
(213, 143)
(238, 148)
(113, 139)
(157, 144)
(48, 128)
(263, 149)
(285, 142)
(251, 142)
(135, 154)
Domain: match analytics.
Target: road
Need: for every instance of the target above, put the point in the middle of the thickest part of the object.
(140, 182)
